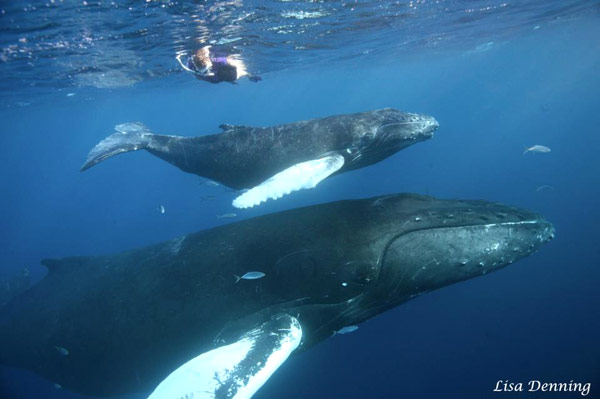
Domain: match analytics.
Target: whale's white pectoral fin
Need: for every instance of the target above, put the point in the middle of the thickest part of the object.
(302, 175)
(237, 370)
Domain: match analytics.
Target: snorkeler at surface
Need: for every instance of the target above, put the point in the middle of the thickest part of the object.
(215, 69)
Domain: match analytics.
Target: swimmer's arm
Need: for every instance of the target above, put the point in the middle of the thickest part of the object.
(207, 78)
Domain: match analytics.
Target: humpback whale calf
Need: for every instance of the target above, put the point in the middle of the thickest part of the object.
(173, 318)
(274, 161)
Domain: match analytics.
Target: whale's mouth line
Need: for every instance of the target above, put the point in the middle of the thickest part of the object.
(424, 122)
(458, 226)
(382, 256)
(507, 223)
(429, 126)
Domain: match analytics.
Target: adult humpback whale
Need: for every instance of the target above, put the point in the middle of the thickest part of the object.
(117, 324)
(277, 160)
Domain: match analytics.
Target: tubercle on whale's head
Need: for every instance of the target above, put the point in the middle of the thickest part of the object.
(381, 133)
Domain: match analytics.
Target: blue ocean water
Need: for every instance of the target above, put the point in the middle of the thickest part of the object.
(498, 76)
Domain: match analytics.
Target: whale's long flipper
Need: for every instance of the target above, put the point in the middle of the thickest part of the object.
(297, 177)
(237, 370)
(129, 137)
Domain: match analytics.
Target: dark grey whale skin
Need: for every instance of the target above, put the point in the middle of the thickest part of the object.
(129, 319)
(242, 157)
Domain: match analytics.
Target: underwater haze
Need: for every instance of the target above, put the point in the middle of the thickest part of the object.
(498, 76)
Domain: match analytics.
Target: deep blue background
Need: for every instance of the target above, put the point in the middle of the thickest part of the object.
(537, 319)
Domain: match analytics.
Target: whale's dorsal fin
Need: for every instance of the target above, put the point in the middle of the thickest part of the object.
(297, 177)
(236, 370)
(227, 127)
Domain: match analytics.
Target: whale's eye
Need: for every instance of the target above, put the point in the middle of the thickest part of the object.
(365, 139)
(358, 272)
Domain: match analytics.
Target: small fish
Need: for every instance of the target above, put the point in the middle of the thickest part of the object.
(227, 215)
(249, 276)
(57, 386)
(537, 148)
(544, 187)
(161, 209)
(62, 351)
(210, 183)
(70, 94)
(347, 330)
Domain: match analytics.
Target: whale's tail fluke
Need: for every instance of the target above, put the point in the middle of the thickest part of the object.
(128, 137)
